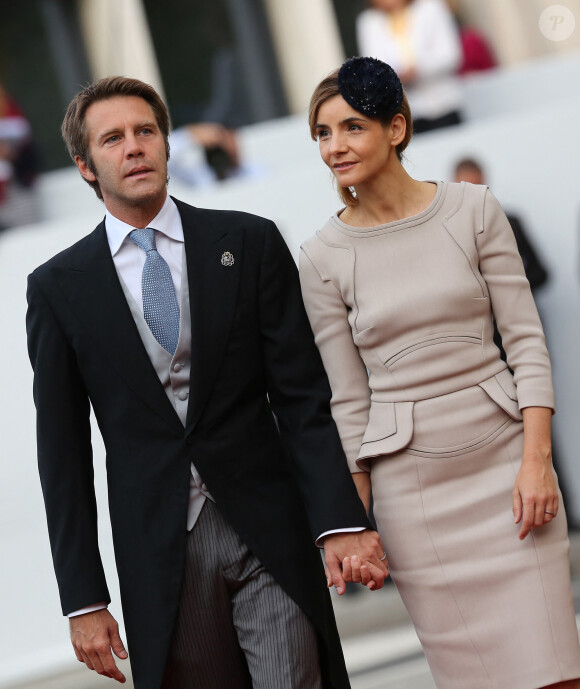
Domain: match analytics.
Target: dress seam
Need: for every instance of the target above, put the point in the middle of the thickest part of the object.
(548, 612)
(396, 225)
(451, 452)
(446, 581)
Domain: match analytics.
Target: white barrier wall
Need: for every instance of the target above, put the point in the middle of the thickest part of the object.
(530, 155)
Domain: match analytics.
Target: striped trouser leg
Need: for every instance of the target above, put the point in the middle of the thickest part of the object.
(236, 628)
(277, 638)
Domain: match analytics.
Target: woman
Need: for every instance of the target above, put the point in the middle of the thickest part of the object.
(419, 39)
(399, 288)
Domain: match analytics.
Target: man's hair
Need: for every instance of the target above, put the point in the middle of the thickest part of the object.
(73, 128)
(470, 164)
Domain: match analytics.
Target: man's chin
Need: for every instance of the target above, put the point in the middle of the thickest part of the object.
(147, 194)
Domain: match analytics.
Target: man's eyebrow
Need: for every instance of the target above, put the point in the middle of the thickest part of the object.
(107, 133)
(114, 130)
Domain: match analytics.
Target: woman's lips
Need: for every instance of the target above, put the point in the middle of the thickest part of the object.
(343, 166)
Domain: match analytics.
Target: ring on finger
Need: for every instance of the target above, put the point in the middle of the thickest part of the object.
(384, 556)
(548, 512)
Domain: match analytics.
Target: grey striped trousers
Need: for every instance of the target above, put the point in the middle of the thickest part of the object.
(236, 628)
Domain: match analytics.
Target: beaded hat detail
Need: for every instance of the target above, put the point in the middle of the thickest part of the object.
(370, 86)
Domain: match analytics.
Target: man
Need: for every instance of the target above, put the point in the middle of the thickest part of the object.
(469, 170)
(184, 330)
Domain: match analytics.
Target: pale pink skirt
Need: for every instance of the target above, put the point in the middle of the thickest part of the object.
(491, 611)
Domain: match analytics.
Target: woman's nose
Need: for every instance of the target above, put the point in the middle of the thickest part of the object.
(337, 143)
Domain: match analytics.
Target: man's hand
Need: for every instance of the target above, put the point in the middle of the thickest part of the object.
(93, 635)
(355, 556)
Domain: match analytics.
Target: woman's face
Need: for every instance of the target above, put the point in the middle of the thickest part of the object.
(354, 147)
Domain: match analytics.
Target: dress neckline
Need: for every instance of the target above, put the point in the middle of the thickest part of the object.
(394, 225)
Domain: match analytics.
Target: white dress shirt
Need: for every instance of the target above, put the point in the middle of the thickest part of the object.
(129, 260)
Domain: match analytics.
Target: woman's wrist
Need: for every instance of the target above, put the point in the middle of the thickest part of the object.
(537, 436)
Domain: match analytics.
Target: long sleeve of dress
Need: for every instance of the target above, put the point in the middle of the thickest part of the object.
(345, 369)
(513, 307)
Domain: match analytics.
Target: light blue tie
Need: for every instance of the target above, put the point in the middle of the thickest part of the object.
(160, 306)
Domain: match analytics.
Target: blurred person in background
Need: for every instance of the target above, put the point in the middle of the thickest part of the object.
(184, 330)
(205, 153)
(471, 170)
(18, 165)
(419, 39)
(477, 56)
(401, 287)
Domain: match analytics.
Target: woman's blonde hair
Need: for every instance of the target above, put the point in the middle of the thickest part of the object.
(327, 89)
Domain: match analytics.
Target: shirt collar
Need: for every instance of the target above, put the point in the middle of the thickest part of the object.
(167, 221)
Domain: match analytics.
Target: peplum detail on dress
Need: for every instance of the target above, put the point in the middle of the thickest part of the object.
(502, 390)
(390, 429)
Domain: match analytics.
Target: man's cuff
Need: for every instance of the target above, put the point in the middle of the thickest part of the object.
(90, 608)
(320, 540)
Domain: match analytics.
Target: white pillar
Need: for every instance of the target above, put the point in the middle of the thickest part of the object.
(118, 40)
(307, 43)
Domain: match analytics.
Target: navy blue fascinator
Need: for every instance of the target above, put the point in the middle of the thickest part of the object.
(370, 86)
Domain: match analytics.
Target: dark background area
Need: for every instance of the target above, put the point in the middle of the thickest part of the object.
(211, 57)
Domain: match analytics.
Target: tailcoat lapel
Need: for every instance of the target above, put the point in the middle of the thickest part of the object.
(91, 284)
(213, 291)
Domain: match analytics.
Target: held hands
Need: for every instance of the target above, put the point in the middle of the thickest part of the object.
(356, 557)
(93, 635)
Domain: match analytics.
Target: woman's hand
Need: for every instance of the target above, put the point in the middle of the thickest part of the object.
(535, 495)
(360, 556)
(356, 556)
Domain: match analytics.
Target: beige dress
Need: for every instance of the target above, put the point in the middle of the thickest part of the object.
(402, 315)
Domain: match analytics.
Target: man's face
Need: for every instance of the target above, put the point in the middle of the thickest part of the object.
(389, 5)
(468, 173)
(128, 156)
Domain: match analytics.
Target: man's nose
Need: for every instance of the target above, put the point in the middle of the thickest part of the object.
(132, 146)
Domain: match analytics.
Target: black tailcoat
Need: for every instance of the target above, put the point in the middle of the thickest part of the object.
(258, 429)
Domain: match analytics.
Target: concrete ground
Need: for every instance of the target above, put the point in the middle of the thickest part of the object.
(380, 645)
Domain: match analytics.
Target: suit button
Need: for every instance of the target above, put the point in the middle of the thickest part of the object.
(177, 367)
(183, 395)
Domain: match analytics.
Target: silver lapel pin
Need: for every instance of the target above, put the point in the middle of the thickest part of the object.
(227, 259)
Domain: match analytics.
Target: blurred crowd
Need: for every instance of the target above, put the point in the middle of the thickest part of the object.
(430, 47)
(19, 165)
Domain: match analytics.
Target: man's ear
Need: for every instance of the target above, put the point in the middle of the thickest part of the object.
(85, 170)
